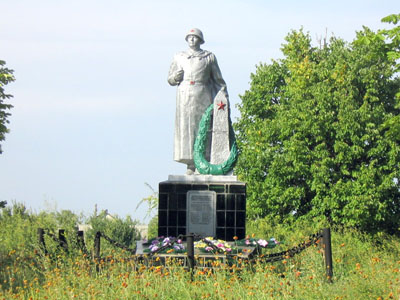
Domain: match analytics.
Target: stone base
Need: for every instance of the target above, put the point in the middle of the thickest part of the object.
(201, 178)
(230, 206)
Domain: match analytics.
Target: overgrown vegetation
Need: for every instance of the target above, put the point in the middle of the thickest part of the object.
(317, 134)
(365, 267)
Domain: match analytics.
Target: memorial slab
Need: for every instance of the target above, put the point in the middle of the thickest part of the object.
(201, 213)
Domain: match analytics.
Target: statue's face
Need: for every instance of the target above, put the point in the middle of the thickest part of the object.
(193, 41)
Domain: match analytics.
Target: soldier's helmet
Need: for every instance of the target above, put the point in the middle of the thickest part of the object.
(197, 32)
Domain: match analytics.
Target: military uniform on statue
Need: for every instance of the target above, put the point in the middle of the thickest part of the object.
(199, 79)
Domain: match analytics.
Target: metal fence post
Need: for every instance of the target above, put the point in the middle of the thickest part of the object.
(190, 252)
(97, 249)
(326, 238)
(80, 239)
(40, 233)
(97, 245)
(63, 240)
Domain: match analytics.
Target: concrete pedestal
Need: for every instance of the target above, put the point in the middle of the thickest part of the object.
(230, 204)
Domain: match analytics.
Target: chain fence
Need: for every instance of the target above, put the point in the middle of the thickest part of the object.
(313, 239)
(117, 244)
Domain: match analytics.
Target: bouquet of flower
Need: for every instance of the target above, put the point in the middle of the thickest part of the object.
(209, 244)
(172, 245)
(253, 242)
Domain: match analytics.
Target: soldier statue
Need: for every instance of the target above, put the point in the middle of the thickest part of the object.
(198, 78)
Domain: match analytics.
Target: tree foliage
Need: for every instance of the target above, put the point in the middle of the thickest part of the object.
(315, 134)
(6, 76)
(118, 229)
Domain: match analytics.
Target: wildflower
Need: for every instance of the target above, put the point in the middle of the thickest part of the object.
(247, 242)
(208, 248)
(235, 238)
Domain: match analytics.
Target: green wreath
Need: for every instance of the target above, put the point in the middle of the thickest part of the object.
(201, 164)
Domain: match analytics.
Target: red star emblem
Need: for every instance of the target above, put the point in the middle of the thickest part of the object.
(221, 105)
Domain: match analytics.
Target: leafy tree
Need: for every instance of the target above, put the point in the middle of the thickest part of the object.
(120, 230)
(6, 76)
(315, 135)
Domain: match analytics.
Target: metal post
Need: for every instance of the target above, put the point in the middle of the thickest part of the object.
(40, 233)
(81, 241)
(190, 252)
(97, 249)
(63, 240)
(97, 245)
(326, 237)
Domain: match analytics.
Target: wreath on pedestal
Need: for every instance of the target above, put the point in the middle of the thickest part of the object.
(201, 164)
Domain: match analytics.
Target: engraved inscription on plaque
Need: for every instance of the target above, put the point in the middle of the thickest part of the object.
(201, 215)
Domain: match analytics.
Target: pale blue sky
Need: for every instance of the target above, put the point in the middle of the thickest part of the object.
(93, 114)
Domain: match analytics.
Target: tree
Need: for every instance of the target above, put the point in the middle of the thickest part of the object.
(116, 228)
(314, 137)
(6, 76)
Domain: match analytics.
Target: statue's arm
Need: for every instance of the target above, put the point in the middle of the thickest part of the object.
(175, 76)
(216, 75)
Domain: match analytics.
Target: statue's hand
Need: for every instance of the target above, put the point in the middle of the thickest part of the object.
(178, 76)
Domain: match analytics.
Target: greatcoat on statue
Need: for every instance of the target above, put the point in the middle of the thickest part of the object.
(199, 79)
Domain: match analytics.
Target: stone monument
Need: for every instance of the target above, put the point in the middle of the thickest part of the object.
(207, 200)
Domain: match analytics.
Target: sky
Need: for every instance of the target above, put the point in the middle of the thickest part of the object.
(93, 113)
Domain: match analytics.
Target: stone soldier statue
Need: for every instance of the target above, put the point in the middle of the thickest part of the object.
(199, 79)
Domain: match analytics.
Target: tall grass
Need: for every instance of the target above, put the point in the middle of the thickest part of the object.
(365, 267)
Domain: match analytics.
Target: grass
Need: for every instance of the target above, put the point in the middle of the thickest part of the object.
(365, 267)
